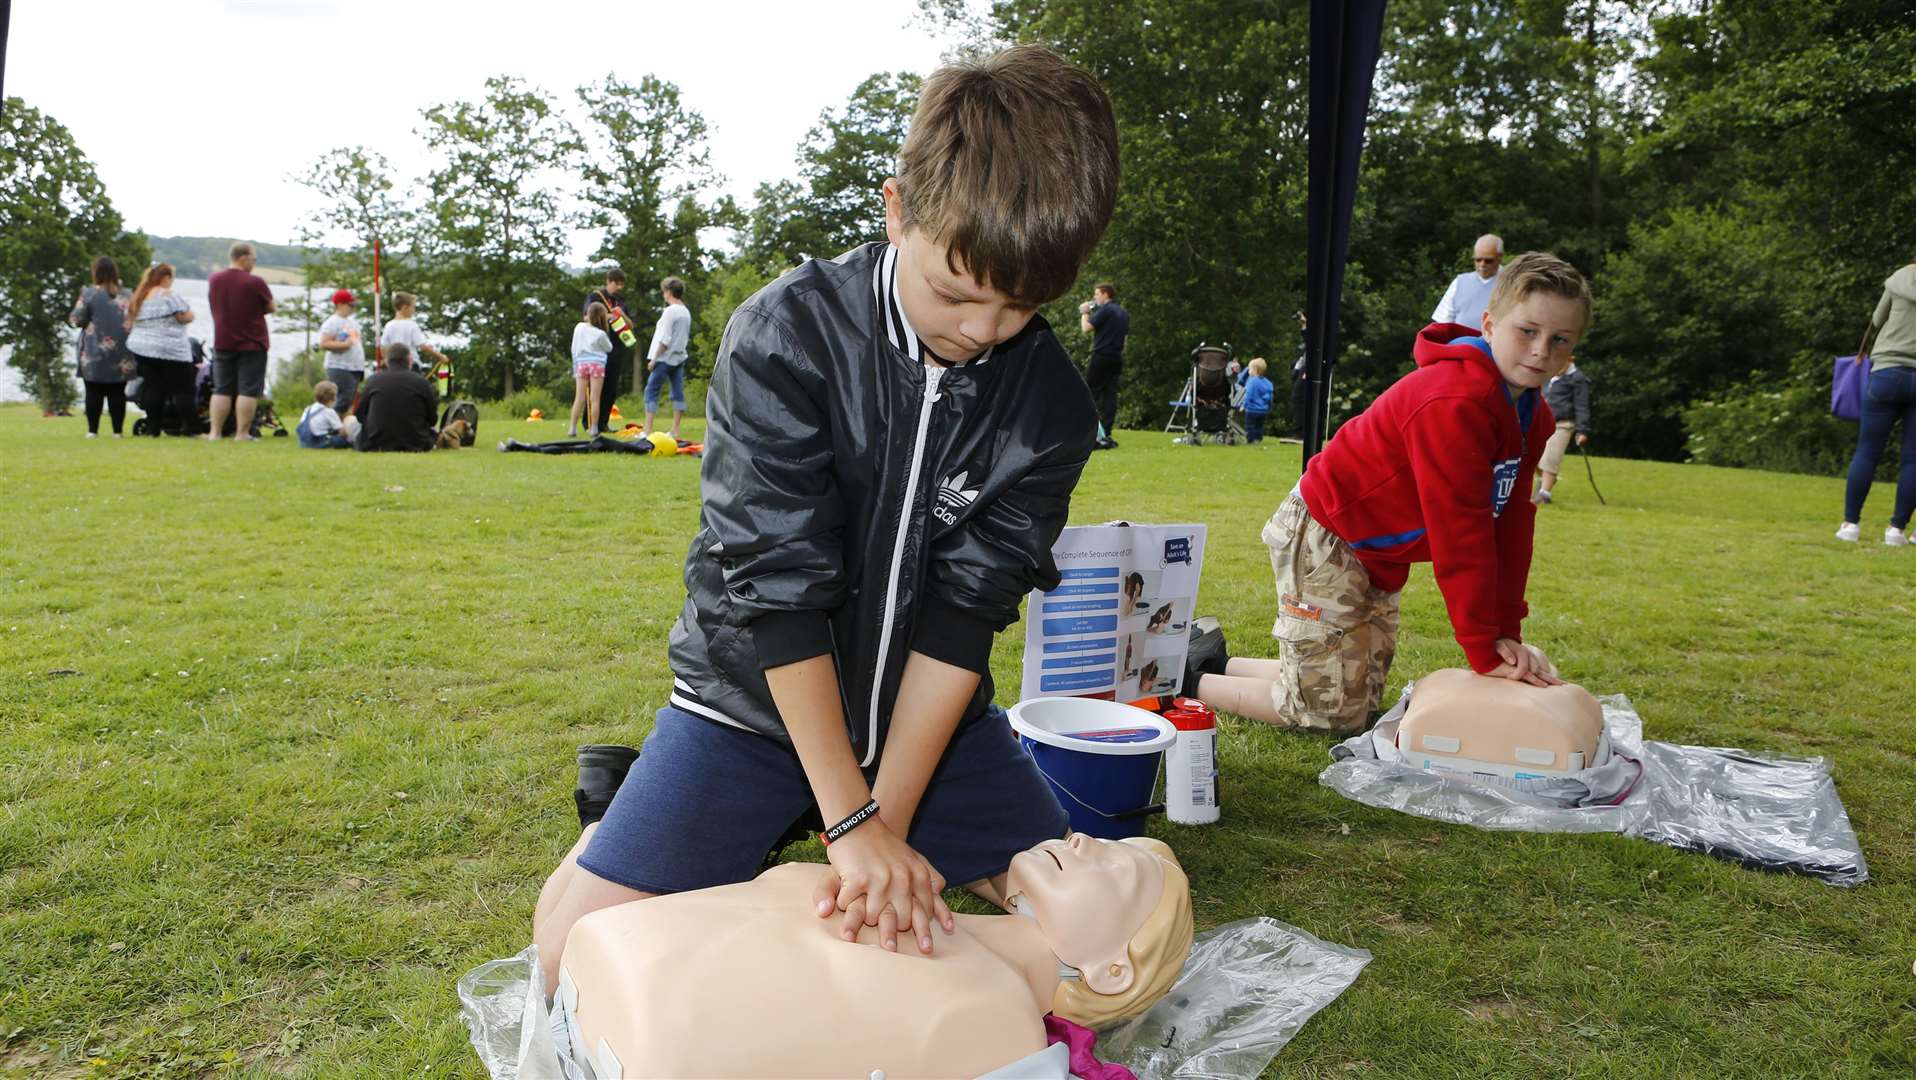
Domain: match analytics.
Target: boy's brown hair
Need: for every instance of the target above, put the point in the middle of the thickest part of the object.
(1538, 271)
(1012, 164)
(325, 392)
(404, 300)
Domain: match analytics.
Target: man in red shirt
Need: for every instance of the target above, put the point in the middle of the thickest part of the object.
(1426, 474)
(241, 300)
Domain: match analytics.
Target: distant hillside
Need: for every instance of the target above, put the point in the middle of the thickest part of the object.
(199, 256)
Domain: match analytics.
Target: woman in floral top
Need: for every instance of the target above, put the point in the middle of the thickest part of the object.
(157, 340)
(100, 313)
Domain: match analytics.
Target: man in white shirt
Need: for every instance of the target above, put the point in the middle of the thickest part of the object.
(1469, 294)
(667, 358)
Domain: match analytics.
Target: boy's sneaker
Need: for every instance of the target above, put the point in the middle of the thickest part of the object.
(1849, 532)
(1541, 497)
(1207, 655)
(601, 770)
(1895, 537)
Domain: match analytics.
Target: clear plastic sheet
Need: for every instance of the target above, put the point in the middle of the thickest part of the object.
(1247, 989)
(1768, 813)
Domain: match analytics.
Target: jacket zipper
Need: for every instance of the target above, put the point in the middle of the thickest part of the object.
(932, 376)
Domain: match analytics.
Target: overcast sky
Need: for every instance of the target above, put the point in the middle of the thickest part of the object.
(197, 112)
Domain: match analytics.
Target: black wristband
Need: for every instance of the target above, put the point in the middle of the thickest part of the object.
(864, 814)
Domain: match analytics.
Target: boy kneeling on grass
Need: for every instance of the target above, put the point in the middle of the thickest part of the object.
(892, 440)
(1426, 474)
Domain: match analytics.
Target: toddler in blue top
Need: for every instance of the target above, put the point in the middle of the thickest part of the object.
(1258, 393)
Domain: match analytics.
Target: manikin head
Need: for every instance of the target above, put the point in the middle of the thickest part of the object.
(1117, 910)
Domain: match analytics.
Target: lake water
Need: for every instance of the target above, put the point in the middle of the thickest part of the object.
(193, 291)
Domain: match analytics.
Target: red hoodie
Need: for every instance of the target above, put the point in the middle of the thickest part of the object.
(1438, 470)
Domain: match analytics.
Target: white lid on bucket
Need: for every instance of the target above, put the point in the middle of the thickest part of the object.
(1066, 723)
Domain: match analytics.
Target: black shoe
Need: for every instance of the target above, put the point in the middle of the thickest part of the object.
(1107, 443)
(601, 770)
(1207, 655)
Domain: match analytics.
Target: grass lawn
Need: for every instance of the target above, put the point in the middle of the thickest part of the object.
(288, 736)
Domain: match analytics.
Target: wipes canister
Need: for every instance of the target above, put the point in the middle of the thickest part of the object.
(1190, 764)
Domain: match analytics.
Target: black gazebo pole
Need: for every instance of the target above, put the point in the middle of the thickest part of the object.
(1345, 38)
(6, 16)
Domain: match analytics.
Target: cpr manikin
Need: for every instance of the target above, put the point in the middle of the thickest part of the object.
(745, 980)
(1498, 728)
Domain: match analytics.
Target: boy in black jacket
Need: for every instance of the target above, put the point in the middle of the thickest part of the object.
(892, 441)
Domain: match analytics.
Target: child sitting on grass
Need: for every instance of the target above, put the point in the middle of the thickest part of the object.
(1426, 474)
(590, 346)
(319, 425)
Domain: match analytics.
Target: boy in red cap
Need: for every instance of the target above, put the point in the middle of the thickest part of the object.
(345, 355)
(1426, 474)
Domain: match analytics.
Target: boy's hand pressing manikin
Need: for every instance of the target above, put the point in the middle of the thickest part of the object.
(878, 880)
(1524, 663)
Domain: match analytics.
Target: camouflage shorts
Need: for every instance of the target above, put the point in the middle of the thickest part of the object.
(1336, 632)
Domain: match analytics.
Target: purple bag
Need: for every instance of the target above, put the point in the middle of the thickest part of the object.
(1847, 378)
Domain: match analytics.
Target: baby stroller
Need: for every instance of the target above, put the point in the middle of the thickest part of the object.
(1213, 394)
(264, 415)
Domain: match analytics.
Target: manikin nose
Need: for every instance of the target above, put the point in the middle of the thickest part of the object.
(1076, 841)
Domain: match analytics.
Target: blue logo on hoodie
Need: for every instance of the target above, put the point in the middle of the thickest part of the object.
(1503, 481)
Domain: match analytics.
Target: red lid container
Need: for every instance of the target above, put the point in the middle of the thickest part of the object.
(1190, 714)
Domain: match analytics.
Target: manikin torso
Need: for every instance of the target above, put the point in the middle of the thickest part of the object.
(1502, 721)
(743, 980)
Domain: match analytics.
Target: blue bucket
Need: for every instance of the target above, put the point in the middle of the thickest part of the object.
(1101, 759)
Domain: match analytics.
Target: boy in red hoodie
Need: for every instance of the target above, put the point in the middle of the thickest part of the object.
(1436, 470)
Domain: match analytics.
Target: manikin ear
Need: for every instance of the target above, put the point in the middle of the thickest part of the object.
(894, 211)
(1114, 975)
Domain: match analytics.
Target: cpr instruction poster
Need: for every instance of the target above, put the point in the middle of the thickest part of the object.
(1119, 623)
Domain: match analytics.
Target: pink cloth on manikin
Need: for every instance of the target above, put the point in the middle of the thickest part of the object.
(1080, 1040)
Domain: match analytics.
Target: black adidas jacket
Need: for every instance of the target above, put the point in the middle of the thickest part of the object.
(861, 503)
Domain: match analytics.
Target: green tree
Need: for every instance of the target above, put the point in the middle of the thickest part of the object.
(55, 219)
(1207, 240)
(361, 205)
(842, 162)
(495, 231)
(649, 179)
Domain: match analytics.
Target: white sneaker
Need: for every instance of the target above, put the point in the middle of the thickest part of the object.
(92, 434)
(1849, 532)
(1895, 537)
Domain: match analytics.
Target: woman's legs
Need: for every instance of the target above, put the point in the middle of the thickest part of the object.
(177, 378)
(116, 404)
(579, 394)
(1879, 414)
(1906, 474)
(597, 388)
(95, 397)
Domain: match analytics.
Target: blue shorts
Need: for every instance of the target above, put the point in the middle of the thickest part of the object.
(655, 380)
(704, 804)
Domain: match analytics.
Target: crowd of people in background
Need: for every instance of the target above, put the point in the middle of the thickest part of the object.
(138, 337)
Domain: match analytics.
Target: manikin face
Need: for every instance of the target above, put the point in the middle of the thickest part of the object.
(1534, 339)
(953, 314)
(1090, 897)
